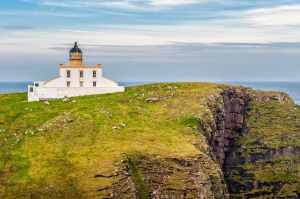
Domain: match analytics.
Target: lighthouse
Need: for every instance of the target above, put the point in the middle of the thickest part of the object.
(75, 79)
(75, 56)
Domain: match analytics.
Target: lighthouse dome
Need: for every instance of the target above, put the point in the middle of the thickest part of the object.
(76, 55)
(75, 49)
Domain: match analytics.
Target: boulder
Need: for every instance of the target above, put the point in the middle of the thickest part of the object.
(152, 100)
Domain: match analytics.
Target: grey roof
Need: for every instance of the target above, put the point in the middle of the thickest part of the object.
(75, 49)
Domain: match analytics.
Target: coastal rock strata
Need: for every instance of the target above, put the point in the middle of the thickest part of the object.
(194, 177)
(252, 165)
(229, 120)
(218, 172)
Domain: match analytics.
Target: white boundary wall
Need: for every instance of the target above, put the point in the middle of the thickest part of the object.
(41, 93)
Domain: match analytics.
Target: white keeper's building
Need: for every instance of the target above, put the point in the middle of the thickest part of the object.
(75, 79)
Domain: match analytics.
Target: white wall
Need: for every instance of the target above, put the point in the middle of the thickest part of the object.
(87, 78)
(57, 82)
(57, 87)
(54, 93)
(75, 78)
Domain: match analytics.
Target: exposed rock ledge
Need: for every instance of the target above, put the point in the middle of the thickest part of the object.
(230, 117)
(230, 126)
(229, 120)
(162, 177)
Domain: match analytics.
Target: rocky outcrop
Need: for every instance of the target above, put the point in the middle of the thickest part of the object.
(240, 164)
(144, 177)
(229, 117)
(229, 120)
(271, 96)
(199, 176)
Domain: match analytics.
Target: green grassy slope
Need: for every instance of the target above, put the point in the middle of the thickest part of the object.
(57, 149)
(84, 148)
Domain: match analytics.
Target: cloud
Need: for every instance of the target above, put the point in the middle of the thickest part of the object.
(170, 3)
(184, 50)
(165, 62)
(258, 25)
(262, 13)
(121, 4)
(145, 5)
(43, 13)
(197, 38)
(150, 35)
(16, 27)
(286, 15)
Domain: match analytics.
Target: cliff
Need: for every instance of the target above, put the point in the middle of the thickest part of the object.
(177, 140)
(255, 139)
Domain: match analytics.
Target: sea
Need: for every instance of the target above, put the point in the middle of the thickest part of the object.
(291, 88)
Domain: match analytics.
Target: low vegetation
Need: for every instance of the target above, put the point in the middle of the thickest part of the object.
(270, 152)
(77, 148)
(57, 149)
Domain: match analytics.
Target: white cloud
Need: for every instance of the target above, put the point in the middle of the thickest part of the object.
(40, 41)
(43, 13)
(246, 29)
(169, 3)
(277, 24)
(276, 16)
(146, 5)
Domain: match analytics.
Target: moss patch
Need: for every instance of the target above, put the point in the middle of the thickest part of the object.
(143, 191)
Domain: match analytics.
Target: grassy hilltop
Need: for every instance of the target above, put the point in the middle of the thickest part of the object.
(119, 145)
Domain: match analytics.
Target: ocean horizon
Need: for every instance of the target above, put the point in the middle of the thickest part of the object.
(291, 88)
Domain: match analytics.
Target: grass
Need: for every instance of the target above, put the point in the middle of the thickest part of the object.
(54, 150)
(143, 190)
(280, 121)
(274, 126)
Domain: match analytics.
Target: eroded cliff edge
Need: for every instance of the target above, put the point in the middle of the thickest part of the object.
(250, 140)
(195, 140)
(241, 140)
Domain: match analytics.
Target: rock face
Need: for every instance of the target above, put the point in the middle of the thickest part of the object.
(229, 120)
(253, 166)
(275, 97)
(143, 177)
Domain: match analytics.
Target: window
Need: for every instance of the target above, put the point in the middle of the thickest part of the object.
(68, 73)
(36, 84)
(81, 73)
(68, 84)
(94, 84)
(94, 73)
(31, 89)
(81, 84)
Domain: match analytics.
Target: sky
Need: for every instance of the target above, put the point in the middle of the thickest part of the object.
(153, 40)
